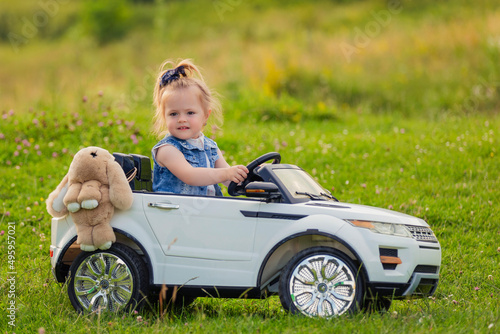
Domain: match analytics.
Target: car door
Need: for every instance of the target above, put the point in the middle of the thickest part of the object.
(197, 227)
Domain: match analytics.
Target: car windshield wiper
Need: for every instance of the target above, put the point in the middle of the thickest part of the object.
(330, 196)
(314, 197)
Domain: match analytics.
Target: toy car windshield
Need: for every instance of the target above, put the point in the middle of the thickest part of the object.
(302, 185)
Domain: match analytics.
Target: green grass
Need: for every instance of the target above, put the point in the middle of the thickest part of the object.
(411, 124)
(440, 171)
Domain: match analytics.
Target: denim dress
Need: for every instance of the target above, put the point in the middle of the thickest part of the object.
(165, 181)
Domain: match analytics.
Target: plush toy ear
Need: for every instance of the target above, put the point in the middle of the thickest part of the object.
(55, 205)
(120, 193)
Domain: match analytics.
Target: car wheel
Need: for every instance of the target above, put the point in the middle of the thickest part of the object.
(320, 282)
(111, 280)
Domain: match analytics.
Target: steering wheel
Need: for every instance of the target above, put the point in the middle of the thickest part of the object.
(237, 189)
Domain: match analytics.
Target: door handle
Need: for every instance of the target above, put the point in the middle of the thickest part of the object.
(165, 206)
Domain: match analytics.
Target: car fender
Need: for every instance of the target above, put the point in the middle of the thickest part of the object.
(289, 239)
(126, 227)
(320, 222)
(140, 238)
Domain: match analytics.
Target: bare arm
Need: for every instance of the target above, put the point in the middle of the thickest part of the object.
(171, 158)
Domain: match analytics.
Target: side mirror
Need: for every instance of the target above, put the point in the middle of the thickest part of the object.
(262, 190)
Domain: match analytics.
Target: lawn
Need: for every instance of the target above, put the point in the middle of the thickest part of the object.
(395, 106)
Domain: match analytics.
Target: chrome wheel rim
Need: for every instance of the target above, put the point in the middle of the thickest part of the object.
(322, 286)
(103, 281)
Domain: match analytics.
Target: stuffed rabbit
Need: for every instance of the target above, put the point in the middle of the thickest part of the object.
(94, 186)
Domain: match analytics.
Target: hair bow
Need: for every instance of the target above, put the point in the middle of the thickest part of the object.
(172, 75)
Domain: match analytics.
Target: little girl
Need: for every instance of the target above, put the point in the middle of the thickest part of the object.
(185, 161)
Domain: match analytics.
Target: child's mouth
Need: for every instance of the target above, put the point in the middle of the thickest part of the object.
(183, 128)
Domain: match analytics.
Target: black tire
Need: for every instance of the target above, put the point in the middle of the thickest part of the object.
(108, 280)
(320, 282)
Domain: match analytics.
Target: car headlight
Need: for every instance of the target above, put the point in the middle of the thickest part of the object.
(383, 228)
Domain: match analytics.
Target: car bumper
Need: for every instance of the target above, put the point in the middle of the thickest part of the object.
(396, 267)
(420, 285)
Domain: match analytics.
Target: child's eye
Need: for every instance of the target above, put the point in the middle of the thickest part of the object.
(172, 114)
(191, 112)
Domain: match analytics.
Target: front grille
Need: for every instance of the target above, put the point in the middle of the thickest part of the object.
(426, 269)
(421, 233)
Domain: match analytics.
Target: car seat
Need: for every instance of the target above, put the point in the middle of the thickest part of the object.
(143, 180)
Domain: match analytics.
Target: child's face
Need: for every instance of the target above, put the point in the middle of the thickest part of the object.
(184, 113)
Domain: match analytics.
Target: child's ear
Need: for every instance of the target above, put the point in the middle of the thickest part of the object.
(209, 111)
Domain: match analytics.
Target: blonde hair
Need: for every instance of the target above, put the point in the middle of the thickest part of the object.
(193, 77)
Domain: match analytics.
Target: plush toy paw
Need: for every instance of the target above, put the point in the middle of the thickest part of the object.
(73, 207)
(105, 246)
(90, 204)
(87, 248)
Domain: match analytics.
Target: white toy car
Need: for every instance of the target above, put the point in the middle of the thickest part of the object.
(288, 236)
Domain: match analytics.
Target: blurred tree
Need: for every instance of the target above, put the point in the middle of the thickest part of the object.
(106, 20)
